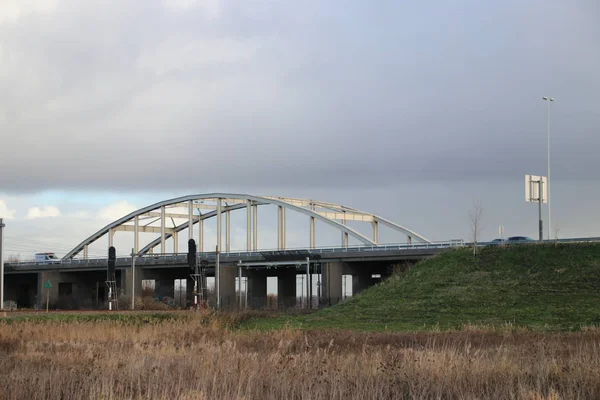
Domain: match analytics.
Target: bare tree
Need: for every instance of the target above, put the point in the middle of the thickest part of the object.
(475, 216)
(14, 258)
(556, 232)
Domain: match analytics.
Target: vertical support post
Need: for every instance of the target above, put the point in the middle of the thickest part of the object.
(540, 198)
(312, 227)
(240, 285)
(279, 227)
(136, 233)
(255, 227)
(312, 232)
(217, 277)
(175, 236)
(302, 290)
(283, 229)
(344, 234)
(248, 225)
(111, 236)
(133, 254)
(190, 219)
(227, 231)
(409, 238)
(219, 224)
(162, 230)
(85, 252)
(2, 264)
(549, 214)
(308, 284)
(375, 231)
(201, 235)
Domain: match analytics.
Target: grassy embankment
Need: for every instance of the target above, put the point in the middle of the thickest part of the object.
(539, 287)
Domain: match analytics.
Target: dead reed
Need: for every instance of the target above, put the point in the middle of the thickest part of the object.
(199, 358)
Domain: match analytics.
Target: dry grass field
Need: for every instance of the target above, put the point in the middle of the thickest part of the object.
(200, 358)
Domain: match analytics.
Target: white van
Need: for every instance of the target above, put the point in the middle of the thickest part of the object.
(48, 258)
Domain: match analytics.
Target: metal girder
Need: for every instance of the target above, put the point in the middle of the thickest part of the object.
(142, 229)
(236, 201)
(263, 201)
(347, 216)
(168, 215)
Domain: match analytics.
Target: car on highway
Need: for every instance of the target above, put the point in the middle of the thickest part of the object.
(519, 239)
(46, 258)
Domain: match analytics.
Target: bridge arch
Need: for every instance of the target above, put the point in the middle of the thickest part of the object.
(334, 215)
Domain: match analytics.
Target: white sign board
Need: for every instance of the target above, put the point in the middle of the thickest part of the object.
(532, 188)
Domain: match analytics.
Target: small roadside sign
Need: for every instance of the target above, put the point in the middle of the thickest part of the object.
(47, 286)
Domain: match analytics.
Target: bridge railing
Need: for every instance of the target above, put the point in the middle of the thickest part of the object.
(176, 258)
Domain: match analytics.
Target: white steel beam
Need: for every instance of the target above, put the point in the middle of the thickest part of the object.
(156, 214)
(283, 230)
(279, 228)
(255, 227)
(348, 216)
(228, 230)
(248, 225)
(375, 224)
(162, 230)
(190, 220)
(344, 234)
(143, 229)
(201, 236)
(136, 234)
(312, 227)
(219, 225)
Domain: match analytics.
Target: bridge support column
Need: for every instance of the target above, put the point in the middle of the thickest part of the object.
(52, 293)
(332, 282)
(227, 276)
(189, 291)
(286, 287)
(257, 288)
(164, 288)
(139, 276)
(361, 279)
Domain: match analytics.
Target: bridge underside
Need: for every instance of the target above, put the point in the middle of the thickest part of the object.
(332, 281)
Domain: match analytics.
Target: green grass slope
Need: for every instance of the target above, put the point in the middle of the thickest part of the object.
(548, 287)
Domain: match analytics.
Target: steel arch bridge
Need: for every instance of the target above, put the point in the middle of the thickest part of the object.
(201, 207)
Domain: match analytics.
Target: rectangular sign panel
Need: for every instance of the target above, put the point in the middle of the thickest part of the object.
(532, 188)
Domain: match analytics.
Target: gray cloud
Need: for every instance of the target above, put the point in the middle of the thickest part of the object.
(140, 96)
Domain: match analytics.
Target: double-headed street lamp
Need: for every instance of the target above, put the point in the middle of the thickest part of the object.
(549, 100)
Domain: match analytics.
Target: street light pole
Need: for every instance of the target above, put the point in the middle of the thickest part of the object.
(549, 100)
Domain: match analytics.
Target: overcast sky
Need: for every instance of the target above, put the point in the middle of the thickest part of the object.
(412, 110)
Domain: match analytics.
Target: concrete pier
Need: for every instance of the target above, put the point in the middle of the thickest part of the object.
(332, 282)
(257, 288)
(286, 287)
(227, 286)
